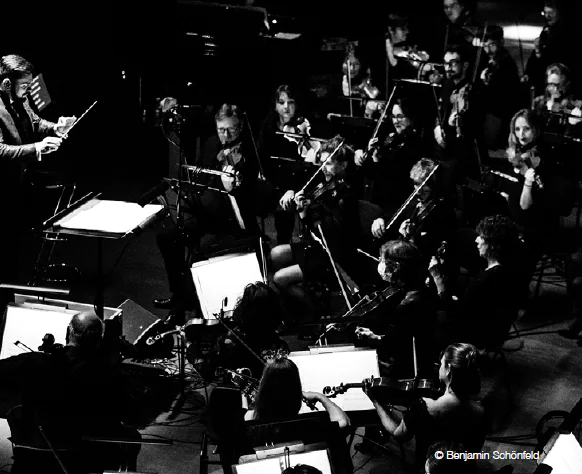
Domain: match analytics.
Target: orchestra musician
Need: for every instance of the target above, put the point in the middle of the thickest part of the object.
(461, 24)
(25, 139)
(72, 392)
(484, 310)
(454, 416)
(432, 220)
(225, 211)
(357, 81)
(459, 135)
(541, 195)
(271, 145)
(502, 88)
(408, 313)
(554, 45)
(280, 395)
(333, 205)
(387, 163)
(558, 106)
(257, 315)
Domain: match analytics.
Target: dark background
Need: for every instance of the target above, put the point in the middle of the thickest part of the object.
(129, 53)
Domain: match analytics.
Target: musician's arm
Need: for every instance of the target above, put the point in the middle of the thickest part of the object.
(335, 413)
(17, 152)
(40, 126)
(391, 422)
(526, 199)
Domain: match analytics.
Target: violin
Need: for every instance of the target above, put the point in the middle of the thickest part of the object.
(242, 379)
(389, 390)
(531, 160)
(370, 302)
(416, 221)
(307, 149)
(460, 104)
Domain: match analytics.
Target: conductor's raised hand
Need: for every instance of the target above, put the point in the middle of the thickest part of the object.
(63, 126)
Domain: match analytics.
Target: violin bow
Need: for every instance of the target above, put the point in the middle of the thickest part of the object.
(520, 44)
(414, 357)
(381, 119)
(255, 149)
(478, 55)
(349, 77)
(410, 198)
(335, 270)
(322, 165)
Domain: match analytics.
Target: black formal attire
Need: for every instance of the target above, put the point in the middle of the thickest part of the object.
(413, 316)
(285, 175)
(212, 212)
(20, 129)
(501, 98)
(386, 182)
(463, 426)
(336, 211)
(71, 393)
(483, 314)
(460, 156)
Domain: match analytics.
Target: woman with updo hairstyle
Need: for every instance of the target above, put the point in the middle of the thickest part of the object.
(454, 416)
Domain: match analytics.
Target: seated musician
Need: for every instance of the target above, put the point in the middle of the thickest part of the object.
(483, 312)
(273, 146)
(257, 316)
(557, 106)
(71, 392)
(454, 416)
(357, 80)
(502, 88)
(280, 395)
(433, 219)
(541, 194)
(226, 210)
(409, 313)
(331, 205)
(462, 116)
(387, 164)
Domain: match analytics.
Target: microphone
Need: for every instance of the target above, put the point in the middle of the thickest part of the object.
(153, 193)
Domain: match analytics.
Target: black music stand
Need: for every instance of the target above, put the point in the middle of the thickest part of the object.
(85, 218)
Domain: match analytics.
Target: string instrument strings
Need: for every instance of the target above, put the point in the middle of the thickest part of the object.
(406, 203)
(380, 120)
(340, 144)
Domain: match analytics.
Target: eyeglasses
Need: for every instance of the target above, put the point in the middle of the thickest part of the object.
(224, 131)
(553, 84)
(398, 117)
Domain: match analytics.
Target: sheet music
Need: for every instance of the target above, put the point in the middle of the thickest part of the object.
(29, 325)
(117, 217)
(216, 279)
(276, 465)
(331, 369)
(565, 457)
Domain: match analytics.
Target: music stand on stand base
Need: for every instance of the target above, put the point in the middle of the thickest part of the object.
(102, 219)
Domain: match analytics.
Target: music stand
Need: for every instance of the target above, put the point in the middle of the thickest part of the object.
(91, 216)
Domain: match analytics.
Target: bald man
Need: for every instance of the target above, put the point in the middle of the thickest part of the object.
(72, 392)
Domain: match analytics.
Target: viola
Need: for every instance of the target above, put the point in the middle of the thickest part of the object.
(389, 390)
(460, 104)
(242, 379)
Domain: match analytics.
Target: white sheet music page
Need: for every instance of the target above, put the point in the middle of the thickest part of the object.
(216, 279)
(565, 457)
(276, 465)
(334, 368)
(29, 325)
(116, 217)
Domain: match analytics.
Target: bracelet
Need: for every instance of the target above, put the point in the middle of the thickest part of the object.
(527, 185)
